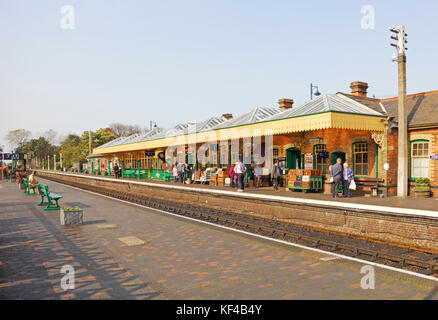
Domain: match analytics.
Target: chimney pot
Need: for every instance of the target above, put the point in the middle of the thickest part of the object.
(359, 88)
(227, 116)
(285, 103)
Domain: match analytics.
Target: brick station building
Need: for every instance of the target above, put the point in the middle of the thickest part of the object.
(358, 129)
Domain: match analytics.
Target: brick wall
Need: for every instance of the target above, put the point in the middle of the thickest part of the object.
(430, 134)
(336, 140)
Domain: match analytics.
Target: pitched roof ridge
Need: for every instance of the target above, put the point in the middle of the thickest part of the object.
(418, 94)
(342, 96)
(367, 98)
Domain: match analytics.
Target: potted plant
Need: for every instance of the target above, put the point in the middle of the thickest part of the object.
(71, 216)
(422, 188)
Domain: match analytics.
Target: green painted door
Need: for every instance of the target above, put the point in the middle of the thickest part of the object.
(336, 155)
(293, 158)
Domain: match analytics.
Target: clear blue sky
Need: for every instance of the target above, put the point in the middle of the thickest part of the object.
(174, 61)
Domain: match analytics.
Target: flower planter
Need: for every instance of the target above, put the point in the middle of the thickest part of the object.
(422, 191)
(71, 217)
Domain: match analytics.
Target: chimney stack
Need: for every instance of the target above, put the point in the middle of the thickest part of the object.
(285, 103)
(359, 89)
(227, 116)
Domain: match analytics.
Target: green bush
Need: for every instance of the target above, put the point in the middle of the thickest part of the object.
(71, 209)
(422, 181)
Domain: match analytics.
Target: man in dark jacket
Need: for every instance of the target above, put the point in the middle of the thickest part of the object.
(276, 174)
(336, 173)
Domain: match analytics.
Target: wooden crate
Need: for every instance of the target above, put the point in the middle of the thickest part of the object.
(223, 174)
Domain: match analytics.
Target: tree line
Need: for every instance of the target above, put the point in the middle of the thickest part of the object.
(73, 147)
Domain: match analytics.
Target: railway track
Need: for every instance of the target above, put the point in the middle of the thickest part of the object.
(400, 257)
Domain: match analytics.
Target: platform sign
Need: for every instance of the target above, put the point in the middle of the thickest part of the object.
(149, 153)
(434, 156)
(323, 154)
(308, 161)
(7, 156)
(1, 156)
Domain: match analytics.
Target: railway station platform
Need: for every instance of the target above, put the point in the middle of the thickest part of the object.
(409, 222)
(425, 204)
(174, 258)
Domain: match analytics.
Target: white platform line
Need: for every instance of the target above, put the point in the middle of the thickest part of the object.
(340, 256)
(351, 206)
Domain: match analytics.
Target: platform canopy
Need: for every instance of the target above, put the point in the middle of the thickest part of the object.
(325, 112)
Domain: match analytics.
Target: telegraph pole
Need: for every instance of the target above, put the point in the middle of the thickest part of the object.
(400, 36)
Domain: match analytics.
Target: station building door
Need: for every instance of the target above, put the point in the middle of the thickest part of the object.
(293, 158)
(336, 155)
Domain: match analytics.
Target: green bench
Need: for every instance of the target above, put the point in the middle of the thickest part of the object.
(28, 187)
(52, 198)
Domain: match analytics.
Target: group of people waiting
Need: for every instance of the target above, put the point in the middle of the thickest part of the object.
(181, 172)
(341, 174)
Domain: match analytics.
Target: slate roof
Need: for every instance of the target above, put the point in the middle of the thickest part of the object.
(422, 108)
(157, 133)
(253, 116)
(325, 103)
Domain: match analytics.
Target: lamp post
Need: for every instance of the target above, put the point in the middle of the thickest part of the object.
(400, 36)
(314, 93)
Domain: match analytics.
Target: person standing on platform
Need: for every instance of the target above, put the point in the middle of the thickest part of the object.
(240, 169)
(181, 168)
(258, 172)
(232, 176)
(175, 174)
(116, 171)
(347, 177)
(276, 174)
(336, 173)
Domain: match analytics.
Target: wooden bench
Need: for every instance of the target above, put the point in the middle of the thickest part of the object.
(45, 193)
(28, 187)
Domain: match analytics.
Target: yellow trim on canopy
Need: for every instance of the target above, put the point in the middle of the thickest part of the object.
(320, 121)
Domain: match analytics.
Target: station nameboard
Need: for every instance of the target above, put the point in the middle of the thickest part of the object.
(316, 140)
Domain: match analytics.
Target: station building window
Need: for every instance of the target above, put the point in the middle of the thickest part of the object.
(420, 159)
(275, 154)
(213, 155)
(224, 154)
(320, 162)
(130, 161)
(360, 158)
